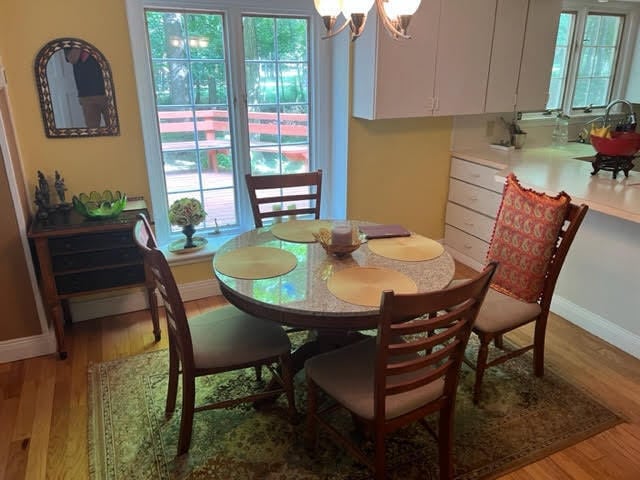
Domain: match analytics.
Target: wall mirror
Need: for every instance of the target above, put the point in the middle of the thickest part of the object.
(75, 86)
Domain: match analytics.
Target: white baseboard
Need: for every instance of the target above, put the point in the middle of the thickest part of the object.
(597, 325)
(27, 347)
(86, 309)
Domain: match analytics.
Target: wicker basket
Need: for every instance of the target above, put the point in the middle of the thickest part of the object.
(324, 239)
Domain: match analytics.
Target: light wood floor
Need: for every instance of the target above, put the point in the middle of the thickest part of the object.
(43, 401)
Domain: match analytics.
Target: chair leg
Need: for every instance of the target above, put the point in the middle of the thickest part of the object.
(172, 387)
(258, 369)
(311, 437)
(538, 346)
(481, 365)
(188, 405)
(380, 464)
(497, 341)
(445, 442)
(286, 373)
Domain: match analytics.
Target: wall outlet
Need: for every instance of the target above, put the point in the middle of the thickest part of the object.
(491, 125)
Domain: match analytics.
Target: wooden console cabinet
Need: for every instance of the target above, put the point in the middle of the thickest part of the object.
(76, 256)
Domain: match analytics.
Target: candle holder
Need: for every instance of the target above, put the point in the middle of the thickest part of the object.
(339, 250)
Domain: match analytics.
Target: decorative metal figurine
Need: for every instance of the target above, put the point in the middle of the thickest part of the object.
(60, 189)
(43, 199)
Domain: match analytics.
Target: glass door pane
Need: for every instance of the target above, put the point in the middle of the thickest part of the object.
(561, 60)
(277, 86)
(192, 102)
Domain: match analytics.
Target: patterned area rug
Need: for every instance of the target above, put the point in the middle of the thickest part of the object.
(519, 420)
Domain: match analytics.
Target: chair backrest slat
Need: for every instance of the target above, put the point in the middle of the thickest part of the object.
(270, 190)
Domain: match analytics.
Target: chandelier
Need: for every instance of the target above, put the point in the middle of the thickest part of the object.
(395, 15)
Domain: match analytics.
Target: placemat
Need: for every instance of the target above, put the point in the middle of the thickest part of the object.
(364, 285)
(300, 231)
(252, 263)
(415, 248)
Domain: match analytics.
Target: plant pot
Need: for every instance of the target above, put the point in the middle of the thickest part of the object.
(188, 231)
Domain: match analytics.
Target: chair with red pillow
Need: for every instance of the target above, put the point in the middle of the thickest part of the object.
(531, 239)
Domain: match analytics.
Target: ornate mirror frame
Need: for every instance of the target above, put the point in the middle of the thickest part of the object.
(51, 130)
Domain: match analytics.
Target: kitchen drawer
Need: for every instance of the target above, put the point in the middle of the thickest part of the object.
(466, 244)
(475, 198)
(476, 174)
(91, 241)
(469, 221)
(97, 259)
(99, 279)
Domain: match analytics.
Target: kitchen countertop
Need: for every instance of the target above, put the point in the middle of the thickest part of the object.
(553, 169)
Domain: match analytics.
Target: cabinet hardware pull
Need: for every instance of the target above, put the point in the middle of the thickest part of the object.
(473, 198)
(467, 246)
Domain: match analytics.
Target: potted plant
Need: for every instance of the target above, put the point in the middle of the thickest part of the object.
(187, 213)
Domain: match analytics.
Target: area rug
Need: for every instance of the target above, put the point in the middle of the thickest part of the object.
(520, 419)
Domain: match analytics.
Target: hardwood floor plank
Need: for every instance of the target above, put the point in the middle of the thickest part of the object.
(8, 414)
(37, 459)
(16, 467)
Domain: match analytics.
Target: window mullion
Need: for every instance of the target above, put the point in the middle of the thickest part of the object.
(574, 62)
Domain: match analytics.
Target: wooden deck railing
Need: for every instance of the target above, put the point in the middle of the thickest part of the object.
(215, 126)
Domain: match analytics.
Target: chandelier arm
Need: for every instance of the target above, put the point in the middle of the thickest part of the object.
(388, 24)
(336, 32)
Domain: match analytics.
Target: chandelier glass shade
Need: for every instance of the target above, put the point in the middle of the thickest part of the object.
(395, 15)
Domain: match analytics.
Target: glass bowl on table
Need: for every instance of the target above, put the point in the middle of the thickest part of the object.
(97, 205)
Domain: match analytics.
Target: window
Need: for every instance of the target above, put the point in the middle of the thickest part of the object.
(226, 90)
(586, 60)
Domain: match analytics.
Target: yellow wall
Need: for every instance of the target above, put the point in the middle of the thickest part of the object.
(397, 169)
(398, 172)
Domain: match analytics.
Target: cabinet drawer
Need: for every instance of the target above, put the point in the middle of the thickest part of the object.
(466, 244)
(101, 258)
(476, 174)
(97, 280)
(469, 221)
(475, 198)
(91, 241)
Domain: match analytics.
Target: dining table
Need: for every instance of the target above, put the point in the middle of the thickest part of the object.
(301, 297)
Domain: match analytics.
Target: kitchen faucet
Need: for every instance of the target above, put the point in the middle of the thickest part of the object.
(631, 118)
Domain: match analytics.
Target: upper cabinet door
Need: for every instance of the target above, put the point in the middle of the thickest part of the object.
(506, 54)
(464, 54)
(395, 78)
(537, 54)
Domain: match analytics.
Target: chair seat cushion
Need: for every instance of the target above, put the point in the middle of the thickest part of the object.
(347, 375)
(502, 312)
(524, 239)
(227, 336)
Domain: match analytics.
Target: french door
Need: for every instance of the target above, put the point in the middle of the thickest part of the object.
(231, 96)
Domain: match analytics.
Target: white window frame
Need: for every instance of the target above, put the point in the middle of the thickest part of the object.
(627, 44)
(322, 152)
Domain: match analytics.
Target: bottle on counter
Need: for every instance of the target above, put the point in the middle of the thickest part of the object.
(560, 134)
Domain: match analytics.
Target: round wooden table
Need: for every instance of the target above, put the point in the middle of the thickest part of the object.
(301, 298)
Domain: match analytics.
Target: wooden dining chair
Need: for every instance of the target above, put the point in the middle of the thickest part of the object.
(145, 235)
(408, 371)
(272, 196)
(523, 285)
(222, 340)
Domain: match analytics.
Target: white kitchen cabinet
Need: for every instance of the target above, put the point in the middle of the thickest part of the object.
(472, 207)
(441, 70)
(464, 53)
(506, 55)
(537, 54)
(396, 78)
(524, 41)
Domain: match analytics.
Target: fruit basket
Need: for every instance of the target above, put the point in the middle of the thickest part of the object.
(96, 205)
(324, 238)
(620, 144)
